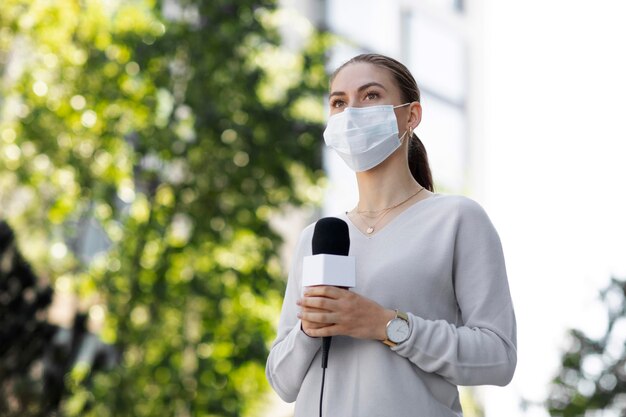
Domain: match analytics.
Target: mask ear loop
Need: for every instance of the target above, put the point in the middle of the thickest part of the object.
(409, 130)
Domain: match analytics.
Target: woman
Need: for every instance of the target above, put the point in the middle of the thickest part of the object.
(431, 309)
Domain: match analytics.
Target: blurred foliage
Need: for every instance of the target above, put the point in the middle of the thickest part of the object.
(471, 405)
(170, 132)
(592, 378)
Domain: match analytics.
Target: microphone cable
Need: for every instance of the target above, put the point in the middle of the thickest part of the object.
(325, 348)
(322, 391)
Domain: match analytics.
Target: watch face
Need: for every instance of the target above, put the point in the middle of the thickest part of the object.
(398, 330)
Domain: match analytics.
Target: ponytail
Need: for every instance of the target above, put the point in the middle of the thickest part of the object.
(418, 163)
(418, 159)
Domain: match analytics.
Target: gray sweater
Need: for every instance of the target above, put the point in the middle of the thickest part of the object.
(441, 261)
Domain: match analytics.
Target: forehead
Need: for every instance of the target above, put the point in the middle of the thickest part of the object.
(353, 76)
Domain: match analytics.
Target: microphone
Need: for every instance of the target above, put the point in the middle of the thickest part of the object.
(330, 263)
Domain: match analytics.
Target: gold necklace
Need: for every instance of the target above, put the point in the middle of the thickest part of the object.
(390, 207)
(370, 228)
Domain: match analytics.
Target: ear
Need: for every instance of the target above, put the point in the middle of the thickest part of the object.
(415, 115)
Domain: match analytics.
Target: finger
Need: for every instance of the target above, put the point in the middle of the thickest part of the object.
(321, 303)
(306, 306)
(324, 291)
(331, 330)
(312, 325)
(313, 310)
(323, 318)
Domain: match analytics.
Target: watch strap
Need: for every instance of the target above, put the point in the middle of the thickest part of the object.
(402, 315)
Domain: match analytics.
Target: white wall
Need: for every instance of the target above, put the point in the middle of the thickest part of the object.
(554, 171)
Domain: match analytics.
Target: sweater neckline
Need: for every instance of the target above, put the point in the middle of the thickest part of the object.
(392, 222)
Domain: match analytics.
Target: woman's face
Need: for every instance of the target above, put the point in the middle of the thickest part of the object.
(363, 84)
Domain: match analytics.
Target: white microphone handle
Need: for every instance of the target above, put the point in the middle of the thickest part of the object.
(325, 269)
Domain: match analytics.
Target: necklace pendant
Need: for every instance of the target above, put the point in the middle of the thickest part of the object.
(370, 230)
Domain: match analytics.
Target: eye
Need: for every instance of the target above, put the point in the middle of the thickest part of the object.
(337, 103)
(372, 95)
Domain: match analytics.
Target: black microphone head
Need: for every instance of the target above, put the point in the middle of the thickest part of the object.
(331, 236)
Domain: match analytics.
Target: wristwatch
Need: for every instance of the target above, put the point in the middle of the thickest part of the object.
(398, 329)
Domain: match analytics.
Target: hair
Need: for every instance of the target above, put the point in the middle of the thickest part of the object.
(409, 91)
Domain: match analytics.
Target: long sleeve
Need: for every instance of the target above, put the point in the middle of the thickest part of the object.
(293, 351)
(480, 348)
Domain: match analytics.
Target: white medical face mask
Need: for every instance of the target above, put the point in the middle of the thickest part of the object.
(364, 136)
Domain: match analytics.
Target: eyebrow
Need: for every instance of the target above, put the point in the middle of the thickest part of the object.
(361, 88)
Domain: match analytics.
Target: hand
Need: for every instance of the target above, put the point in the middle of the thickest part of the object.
(332, 311)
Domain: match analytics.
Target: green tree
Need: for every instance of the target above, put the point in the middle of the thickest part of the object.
(173, 131)
(592, 377)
